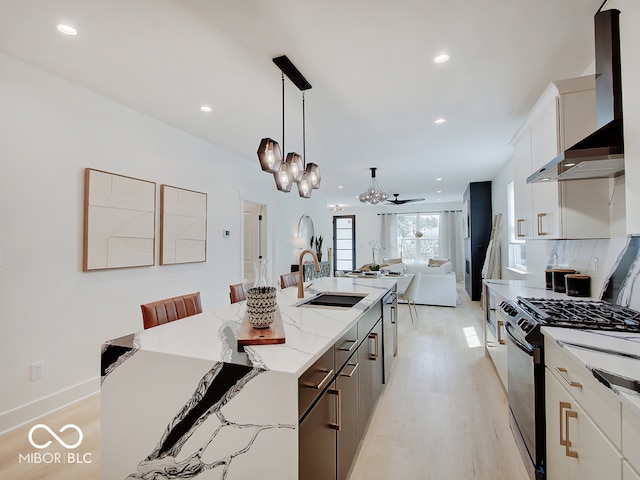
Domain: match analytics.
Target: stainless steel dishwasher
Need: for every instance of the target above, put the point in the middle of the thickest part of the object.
(389, 331)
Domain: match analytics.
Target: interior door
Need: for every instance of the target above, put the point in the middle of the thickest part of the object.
(254, 236)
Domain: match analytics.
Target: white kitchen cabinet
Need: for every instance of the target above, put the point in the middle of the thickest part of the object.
(630, 62)
(631, 435)
(576, 447)
(563, 115)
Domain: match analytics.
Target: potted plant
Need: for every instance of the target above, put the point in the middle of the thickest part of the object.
(319, 240)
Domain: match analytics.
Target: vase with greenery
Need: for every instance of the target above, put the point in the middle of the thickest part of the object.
(318, 247)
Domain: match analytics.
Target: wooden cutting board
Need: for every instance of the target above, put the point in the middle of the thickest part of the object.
(272, 335)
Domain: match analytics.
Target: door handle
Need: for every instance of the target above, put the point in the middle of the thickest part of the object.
(540, 231)
(338, 394)
(373, 336)
(564, 420)
(500, 327)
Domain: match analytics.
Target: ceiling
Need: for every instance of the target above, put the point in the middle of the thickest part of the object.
(376, 90)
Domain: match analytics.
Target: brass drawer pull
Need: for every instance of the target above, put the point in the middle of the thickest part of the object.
(519, 223)
(353, 370)
(338, 424)
(565, 376)
(323, 382)
(353, 344)
(500, 327)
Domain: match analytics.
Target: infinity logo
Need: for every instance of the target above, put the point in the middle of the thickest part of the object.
(58, 439)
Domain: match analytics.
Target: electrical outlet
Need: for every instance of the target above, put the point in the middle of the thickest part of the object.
(594, 264)
(37, 370)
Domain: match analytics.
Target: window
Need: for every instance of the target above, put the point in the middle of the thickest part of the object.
(517, 247)
(344, 242)
(418, 236)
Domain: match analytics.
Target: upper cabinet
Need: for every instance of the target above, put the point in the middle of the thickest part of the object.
(564, 114)
(630, 61)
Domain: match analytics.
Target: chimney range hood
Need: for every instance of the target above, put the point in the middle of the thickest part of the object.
(601, 154)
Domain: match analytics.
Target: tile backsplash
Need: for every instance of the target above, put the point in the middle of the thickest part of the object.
(613, 264)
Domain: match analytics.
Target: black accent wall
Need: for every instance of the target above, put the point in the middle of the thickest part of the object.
(477, 198)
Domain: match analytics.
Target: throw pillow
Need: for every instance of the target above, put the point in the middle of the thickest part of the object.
(434, 262)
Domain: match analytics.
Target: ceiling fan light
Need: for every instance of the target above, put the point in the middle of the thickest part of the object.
(296, 168)
(304, 186)
(269, 155)
(283, 178)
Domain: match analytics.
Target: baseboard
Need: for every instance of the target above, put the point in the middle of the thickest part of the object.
(14, 418)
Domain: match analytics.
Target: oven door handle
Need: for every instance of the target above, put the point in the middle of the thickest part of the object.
(525, 348)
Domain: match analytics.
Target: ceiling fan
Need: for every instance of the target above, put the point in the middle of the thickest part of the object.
(397, 201)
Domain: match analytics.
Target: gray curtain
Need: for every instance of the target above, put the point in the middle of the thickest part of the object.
(451, 240)
(388, 236)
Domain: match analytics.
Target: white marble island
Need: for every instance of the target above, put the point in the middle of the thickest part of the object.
(180, 400)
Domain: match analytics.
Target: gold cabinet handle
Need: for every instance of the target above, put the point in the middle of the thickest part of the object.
(519, 223)
(353, 344)
(540, 231)
(565, 438)
(500, 327)
(338, 424)
(323, 382)
(564, 373)
(354, 367)
(373, 336)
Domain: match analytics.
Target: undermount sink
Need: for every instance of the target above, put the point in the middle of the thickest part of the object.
(333, 299)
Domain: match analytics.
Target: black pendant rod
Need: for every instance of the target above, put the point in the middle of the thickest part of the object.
(283, 149)
(304, 153)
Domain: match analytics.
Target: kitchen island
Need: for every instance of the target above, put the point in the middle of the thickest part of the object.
(181, 401)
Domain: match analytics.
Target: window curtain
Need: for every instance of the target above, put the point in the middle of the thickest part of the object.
(388, 236)
(451, 240)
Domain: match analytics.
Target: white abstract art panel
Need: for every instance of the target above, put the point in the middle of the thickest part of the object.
(119, 221)
(183, 225)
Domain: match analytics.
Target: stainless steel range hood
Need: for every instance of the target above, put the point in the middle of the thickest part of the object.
(601, 154)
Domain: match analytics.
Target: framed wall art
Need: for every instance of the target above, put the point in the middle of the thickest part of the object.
(119, 221)
(183, 226)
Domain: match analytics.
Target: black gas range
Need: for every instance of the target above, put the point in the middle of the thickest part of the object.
(523, 319)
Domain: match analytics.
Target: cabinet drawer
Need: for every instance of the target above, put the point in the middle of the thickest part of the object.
(369, 319)
(346, 346)
(602, 405)
(314, 380)
(631, 436)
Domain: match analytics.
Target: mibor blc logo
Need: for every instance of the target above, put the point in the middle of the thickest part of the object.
(55, 457)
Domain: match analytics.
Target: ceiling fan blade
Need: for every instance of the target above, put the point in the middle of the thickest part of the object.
(397, 201)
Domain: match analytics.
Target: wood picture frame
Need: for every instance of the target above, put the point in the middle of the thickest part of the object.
(119, 221)
(183, 225)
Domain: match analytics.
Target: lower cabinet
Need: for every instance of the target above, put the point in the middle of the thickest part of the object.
(576, 447)
(340, 404)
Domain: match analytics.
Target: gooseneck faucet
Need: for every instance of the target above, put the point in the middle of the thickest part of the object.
(317, 267)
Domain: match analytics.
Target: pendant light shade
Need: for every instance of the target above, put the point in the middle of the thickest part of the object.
(269, 155)
(373, 195)
(283, 178)
(304, 186)
(313, 171)
(296, 167)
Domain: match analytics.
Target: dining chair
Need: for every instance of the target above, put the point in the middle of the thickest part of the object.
(289, 279)
(411, 293)
(236, 293)
(170, 309)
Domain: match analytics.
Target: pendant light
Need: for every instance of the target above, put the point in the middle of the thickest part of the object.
(294, 168)
(373, 195)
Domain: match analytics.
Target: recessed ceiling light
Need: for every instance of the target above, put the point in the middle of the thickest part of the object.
(67, 29)
(205, 108)
(438, 179)
(340, 186)
(438, 191)
(441, 58)
(439, 121)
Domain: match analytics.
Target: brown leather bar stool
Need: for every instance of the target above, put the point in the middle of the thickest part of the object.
(289, 279)
(170, 309)
(236, 293)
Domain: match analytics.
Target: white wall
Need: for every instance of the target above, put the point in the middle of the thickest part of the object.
(50, 310)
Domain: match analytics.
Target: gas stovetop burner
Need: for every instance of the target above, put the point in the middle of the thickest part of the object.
(587, 314)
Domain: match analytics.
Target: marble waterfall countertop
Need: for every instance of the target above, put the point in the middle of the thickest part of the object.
(309, 331)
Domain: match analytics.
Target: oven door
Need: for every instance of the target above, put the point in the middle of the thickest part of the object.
(524, 383)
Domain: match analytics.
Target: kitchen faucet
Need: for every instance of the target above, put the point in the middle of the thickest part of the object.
(317, 267)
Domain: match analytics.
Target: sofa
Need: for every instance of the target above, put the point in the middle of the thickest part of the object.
(437, 281)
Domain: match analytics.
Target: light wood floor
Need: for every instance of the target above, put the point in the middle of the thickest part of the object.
(443, 416)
